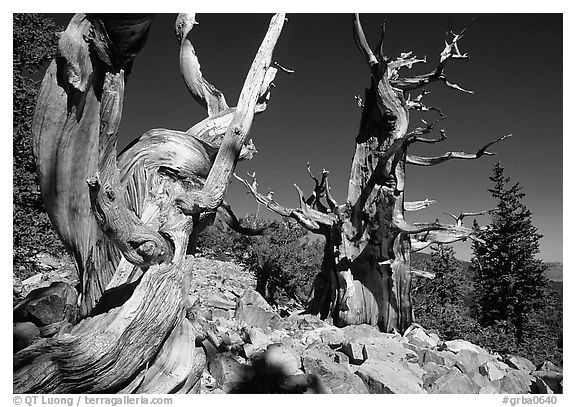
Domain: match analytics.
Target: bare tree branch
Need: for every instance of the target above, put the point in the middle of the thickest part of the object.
(448, 234)
(362, 44)
(463, 215)
(210, 197)
(427, 161)
(204, 92)
(211, 131)
(417, 104)
(450, 52)
(226, 214)
(309, 218)
(418, 205)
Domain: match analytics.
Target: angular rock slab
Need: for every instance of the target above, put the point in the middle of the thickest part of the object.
(228, 372)
(454, 382)
(417, 336)
(48, 305)
(520, 363)
(333, 375)
(388, 377)
(515, 382)
(253, 309)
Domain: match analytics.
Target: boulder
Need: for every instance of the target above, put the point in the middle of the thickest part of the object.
(387, 349)
(295, 345)
(389, 377)
(258, 337)
(414, 368)
(454, 382)
(253, 309)
(519, 363)
(490, 389)
(480, 380)
(305, 322)
(48, 305)
(548, 366)
(280, 360)
(218, 301)
(420, 352)
(354, 351)
(23, 334)
(380, 347)
(341, 357)
(256, 342)
(334, 375)
(468, 361)
(432, 371)
(491, 370)
(333, 337)
(552, 379)
(440, 357)
(515, 382)
(311, 336)
(539, 386)
(458, 344)
(363, 331)
(417, 336)
(228, 372)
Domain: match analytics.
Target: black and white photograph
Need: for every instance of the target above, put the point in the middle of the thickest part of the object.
(287, 203)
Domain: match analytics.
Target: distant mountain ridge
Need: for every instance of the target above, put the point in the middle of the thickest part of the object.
(554, 271)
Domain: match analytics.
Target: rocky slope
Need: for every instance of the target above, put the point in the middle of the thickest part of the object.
(252, 348)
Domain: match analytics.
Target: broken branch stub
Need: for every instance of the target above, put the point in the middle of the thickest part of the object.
(203, 91)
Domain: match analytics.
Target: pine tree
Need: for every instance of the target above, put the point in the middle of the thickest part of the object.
(509, 279)
(447, 286)
(440, 303)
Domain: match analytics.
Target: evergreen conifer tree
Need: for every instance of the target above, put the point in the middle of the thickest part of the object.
(509, 279)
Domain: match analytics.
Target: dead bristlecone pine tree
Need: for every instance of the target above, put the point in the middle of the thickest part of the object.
(366, 273)
(129, 219)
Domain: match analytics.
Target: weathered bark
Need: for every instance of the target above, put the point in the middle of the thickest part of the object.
(366, 274)
(119, 217)
(66, 137)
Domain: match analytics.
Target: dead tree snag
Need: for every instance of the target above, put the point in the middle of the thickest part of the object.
(128, 219)
(366, 273)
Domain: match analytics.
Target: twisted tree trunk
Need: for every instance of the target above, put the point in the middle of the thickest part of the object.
(129, 220)
(366, 271)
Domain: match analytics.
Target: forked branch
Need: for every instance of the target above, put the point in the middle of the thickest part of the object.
(449, 53)
(210, 197)
(311, 219)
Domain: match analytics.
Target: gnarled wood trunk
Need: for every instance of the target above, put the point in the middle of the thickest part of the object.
(129, 220)
(366, 271)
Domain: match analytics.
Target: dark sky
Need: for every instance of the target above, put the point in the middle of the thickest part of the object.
(515, 69)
